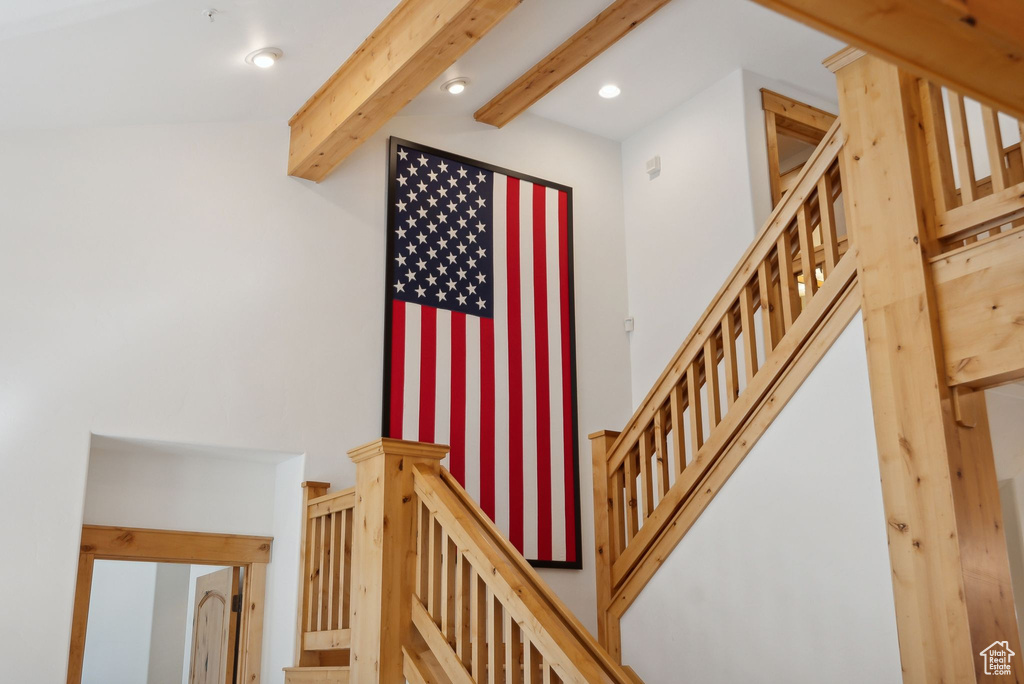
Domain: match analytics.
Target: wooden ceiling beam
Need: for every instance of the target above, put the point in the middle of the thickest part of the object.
(408, 51)
(976, 48)
(603, 31)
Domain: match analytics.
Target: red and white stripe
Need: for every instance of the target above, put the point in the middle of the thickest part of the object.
(499, 391)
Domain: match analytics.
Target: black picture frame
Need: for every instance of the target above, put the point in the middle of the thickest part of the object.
(392, 192)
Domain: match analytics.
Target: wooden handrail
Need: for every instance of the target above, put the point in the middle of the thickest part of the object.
(481, 608)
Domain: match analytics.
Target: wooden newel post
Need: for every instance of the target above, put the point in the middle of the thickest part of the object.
(950, 570)
(607, 626)
(384, 554)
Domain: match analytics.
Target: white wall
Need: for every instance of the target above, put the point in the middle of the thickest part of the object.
(137, 483)
(282, 598)
(1006, 423)
(686, 228)
(785, 576)
(171, 282)
(120, 624)
(170, 615)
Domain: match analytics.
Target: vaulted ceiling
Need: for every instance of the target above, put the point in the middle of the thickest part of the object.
(116, 62)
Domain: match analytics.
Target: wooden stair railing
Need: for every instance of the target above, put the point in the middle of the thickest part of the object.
(787, 286)
(405, 578)
(481, 613)
(324, 630)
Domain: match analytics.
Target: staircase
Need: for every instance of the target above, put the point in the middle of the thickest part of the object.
(405, 578)
(784, 304)
(462, 604)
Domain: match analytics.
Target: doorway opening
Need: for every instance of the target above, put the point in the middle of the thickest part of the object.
(143, 594)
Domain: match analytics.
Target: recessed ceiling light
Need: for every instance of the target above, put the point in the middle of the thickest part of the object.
(455, 86)
(264, 58)
(609, 91)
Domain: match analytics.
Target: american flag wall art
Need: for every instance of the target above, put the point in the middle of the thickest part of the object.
(479, 339)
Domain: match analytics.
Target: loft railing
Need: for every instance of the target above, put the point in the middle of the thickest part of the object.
(481, 610)
(962, 136)
(977, 261)
(782, 289)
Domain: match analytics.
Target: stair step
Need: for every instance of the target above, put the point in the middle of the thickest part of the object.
(316, 675)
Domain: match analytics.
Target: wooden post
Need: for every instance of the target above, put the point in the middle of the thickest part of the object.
(303, 658)
(946, 547)
(80, 617)
(384, 555)
(600, 444)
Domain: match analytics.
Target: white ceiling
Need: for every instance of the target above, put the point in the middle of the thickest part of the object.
(116, 62)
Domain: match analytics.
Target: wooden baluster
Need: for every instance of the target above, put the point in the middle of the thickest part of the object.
(937, 142)
(478, 627)
(325, 571)
(711, 379)
(346, 582)
(696, 417)
(787, 286)
(423, 554)
(618, 522)
(448, 610)
(676, 408)
(463, 636)
(1020, 128)
(606, 547)
(749, 332)
(310, 490)
(434, 602)
(827, 210)
(495, 642)
(809, 262)
(661, 449)
(764, 283)
(513, 651)
(646, 477)
(732, 379)
(632, 522)
(334, 574)
(774, 171)
(994, 146)
(1015, 161)
(533, 664)
(962, 147)
(313, 576)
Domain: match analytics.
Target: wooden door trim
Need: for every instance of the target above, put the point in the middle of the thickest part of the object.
(174, 546)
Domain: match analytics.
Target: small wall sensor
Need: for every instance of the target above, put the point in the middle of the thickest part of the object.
(654, 166)
(628, 324)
